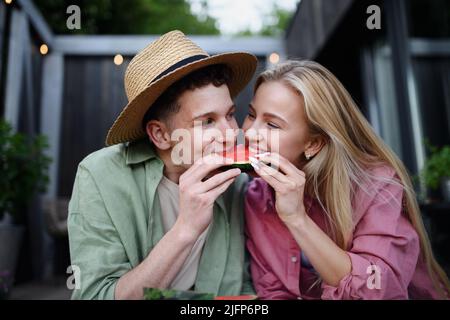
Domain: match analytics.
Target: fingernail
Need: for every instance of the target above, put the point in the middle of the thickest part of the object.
(254, 162)
(254, 165)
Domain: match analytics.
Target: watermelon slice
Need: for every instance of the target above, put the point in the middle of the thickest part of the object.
(240, 156)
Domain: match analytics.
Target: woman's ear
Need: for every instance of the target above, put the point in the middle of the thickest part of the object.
(314, 146)
(158, 132)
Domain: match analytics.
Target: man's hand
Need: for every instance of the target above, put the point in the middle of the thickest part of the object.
(197, 196)
(165, 260)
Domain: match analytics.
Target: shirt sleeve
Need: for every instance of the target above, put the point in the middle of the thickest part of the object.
(96, 249)
(384, 252)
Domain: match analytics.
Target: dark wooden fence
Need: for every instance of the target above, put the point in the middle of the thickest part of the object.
(93, 97)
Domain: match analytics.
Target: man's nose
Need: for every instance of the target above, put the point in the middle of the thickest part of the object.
(228, 133)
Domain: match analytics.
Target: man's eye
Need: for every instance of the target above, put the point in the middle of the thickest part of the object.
(251, 116)
(230, 116)
(208, 121)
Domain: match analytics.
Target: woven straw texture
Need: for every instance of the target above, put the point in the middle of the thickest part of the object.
(154, 59)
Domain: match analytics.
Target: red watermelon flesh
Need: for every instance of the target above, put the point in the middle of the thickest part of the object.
(240, 155)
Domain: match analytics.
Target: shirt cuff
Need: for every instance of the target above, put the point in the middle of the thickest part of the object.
(349, 288)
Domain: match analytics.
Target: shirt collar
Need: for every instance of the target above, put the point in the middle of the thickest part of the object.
(140, 151)
(143, 150)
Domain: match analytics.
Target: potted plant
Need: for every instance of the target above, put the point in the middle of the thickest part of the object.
(436, 172)
(23, 167)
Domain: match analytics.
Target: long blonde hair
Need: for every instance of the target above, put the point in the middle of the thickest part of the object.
(351, 148)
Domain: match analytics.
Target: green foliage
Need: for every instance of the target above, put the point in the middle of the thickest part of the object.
(127, 17)
(274, 24)
(164, 294)
(437, 166)
(5, 284)
(280, 22)
(23, 167)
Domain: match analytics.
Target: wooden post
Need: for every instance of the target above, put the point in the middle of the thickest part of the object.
(15, 68)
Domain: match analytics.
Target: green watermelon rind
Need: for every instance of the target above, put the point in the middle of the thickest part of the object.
(245, 166)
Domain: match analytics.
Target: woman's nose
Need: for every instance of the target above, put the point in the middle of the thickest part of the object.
(252, 134)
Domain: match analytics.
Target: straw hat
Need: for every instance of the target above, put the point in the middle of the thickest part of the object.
(159, 65)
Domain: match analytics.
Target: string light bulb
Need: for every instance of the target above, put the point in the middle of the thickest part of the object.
(43, 49)
(274, 58)
(118, 59)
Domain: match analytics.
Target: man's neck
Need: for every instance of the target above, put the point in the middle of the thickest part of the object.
(171, 171)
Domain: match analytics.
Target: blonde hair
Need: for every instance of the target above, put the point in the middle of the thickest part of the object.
(351, 148)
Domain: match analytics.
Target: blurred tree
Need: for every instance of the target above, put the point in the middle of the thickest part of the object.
(278, 22)
(274, 24)
(127, 17)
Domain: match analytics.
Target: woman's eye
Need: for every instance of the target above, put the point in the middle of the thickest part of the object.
(273, 125)
(251, 116)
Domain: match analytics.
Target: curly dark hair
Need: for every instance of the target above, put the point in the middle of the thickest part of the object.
(167, 104)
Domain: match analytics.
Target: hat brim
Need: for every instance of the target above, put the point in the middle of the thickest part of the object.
(128, 125)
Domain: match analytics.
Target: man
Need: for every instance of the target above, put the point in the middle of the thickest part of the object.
(146, 214)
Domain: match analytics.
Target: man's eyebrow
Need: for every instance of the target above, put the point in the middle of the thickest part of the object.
(204, 115)
(207, 114)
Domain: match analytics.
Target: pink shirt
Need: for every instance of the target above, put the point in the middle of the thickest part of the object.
(383, 237)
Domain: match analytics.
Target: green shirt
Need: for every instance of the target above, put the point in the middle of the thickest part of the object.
(115, 221)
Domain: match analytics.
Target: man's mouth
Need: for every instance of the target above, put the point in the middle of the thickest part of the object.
(256, 150)
(218, 149)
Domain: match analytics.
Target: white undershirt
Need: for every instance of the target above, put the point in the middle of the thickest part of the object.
(168, 194)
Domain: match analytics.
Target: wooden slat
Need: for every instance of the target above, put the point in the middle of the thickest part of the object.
(130, 45)
(15, 68)
(37, 21)
(312, 25)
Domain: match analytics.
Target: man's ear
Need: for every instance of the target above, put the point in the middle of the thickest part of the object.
(314, 146)
(159, 133)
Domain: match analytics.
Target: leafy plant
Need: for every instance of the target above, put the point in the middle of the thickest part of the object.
(166, 294)
(23, 167)
(171, 294)
(437, 166)
(5, 284)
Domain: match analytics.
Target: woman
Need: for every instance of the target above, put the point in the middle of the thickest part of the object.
(338, 219)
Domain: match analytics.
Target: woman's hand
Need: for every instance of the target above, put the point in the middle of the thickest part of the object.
(288, 183)
(331, 262)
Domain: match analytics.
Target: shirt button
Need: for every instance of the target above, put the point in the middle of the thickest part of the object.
(294, 259)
